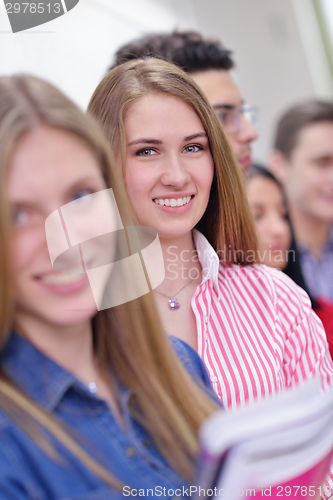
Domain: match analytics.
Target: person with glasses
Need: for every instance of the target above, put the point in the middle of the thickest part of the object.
(208, 63)
(231, 117)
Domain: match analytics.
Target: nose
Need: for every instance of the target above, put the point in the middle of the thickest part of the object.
(175, 172)
(247, 132)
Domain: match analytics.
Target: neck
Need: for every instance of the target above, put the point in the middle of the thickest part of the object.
(69, 346)
(309, 231)
(181, 263)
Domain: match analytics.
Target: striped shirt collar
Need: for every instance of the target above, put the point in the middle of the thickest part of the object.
(208, 259)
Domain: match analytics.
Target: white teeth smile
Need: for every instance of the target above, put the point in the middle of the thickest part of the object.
(173, 202)
(60, 279)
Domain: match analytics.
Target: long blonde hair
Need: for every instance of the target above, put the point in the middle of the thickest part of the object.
(128, 338)
(227, 222)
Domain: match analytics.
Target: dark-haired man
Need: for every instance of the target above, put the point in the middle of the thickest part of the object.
(208, 63)
(303, 161)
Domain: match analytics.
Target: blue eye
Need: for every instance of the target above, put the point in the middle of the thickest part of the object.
(81, 193)
(20, 216)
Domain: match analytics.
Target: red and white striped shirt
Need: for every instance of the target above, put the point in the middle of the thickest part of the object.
(257, 333)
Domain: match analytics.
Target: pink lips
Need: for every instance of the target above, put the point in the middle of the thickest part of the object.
(245, 162)
(65, 288)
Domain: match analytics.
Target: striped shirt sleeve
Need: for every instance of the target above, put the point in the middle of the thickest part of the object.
(306, 350)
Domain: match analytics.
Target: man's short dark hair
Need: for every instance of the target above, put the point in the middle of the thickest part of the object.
(295, 119)
(186, 49)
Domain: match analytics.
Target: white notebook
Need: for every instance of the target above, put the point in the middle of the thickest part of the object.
(278, 447)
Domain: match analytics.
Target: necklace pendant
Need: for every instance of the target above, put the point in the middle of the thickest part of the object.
(173, 304)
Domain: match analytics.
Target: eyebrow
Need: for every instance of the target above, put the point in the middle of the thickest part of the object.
(227, 106)
(256, 204)
(158, 142)
(322, 155)
(29, 201)
(224, 106)
(145, 141)
(194, 136)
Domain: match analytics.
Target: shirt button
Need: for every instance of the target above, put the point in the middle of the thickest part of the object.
(146, 444)
(130, 452)
(213, 378)
(206, 336)
(92, 387)
(206, 319)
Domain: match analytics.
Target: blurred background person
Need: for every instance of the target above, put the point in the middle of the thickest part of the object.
(276, 245)
(302, 160)
(269, 209)
(209, 64)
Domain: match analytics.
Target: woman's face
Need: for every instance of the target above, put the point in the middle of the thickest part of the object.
(169, 168)
(49, 169)
(273, 229)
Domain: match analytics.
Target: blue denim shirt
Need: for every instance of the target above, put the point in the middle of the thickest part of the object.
(26, 472)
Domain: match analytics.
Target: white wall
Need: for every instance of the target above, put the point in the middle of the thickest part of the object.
(276, 47)
(74, 50)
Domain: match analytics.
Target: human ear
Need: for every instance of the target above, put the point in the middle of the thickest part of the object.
(277, 164)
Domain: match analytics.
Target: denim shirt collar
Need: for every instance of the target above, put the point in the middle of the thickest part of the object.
(21, 360)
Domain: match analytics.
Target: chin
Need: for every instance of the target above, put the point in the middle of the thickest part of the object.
(70, 317)
(53, 313)
(76, 310)
(174, 233)
(276, 265)
(325, 215)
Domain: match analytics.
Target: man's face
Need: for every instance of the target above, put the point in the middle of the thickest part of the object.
(220, 90)
(308, 174)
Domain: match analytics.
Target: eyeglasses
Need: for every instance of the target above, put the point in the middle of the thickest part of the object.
(230, 117)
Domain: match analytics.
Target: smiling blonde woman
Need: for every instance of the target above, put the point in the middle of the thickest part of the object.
(251, 325)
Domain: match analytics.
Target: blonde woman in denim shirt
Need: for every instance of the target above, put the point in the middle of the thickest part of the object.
(90, 402)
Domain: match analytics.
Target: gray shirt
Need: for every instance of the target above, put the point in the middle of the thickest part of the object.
(318, 271)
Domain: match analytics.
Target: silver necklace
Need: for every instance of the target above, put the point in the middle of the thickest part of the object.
(173, 302)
